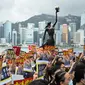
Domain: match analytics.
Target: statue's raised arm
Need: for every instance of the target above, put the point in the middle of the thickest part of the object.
(57, 10)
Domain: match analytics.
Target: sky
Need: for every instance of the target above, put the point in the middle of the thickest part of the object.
(20, 10)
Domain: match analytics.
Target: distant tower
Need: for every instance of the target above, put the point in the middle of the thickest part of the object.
(20, 32)
(73, 29)
(14, 37)
(1, 30)
(83, 19)
(36, 35)
(7, 31)
(41, 25)
(65, 33)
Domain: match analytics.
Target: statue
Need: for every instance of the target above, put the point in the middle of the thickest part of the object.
(50, 30)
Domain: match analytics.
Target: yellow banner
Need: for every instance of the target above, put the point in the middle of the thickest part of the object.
(20, 60)
(70, 50)
(65, 53)
(49, 47)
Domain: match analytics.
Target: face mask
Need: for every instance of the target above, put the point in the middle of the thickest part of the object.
(71, 82)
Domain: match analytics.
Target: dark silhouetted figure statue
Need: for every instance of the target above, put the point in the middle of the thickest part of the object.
(50, 30)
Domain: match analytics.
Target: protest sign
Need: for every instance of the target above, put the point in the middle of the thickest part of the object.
(23, 82)
(40, 66)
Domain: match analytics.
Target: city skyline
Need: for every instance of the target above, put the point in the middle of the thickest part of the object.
(27, 35)
(19, 10)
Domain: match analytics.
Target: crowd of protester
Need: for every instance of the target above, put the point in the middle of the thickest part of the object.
(65, 70)
(61, 69)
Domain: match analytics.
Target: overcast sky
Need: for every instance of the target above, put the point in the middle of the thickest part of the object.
(19, 10)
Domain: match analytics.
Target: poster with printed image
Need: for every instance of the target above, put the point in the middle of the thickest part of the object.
(40, 66)
(5, 76)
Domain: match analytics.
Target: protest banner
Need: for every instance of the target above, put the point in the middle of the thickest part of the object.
(40, 66)
(23, 81)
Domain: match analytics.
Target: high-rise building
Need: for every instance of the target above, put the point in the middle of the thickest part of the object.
(83, 19)
(7, 31)
(81, 31)
(61, 27)
(1, 30)
(20, 33)
(58, 37)
(36, 35)
(41, 25)
(30, 33)
(29, 38)
(14, 37)
(72, 29)
(65, 34)
(30, 25)
(26, 34)
(79, 37)
(2, 40)
(76, 38)
(57, 26)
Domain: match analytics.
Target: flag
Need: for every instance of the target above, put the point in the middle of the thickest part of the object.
(17, 50)
(32, 48)
(29, 47)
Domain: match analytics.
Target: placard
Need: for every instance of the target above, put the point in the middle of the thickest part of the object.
(23, 82)
(40, 65)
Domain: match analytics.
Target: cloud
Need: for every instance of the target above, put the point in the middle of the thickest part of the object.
(6, 4)
(18, 10)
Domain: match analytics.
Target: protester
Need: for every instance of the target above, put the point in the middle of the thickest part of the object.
(79, 76)
(39, 82)
(35, 76)
(27, 69)
(55, 71)
(60, 78)
(66, 60)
